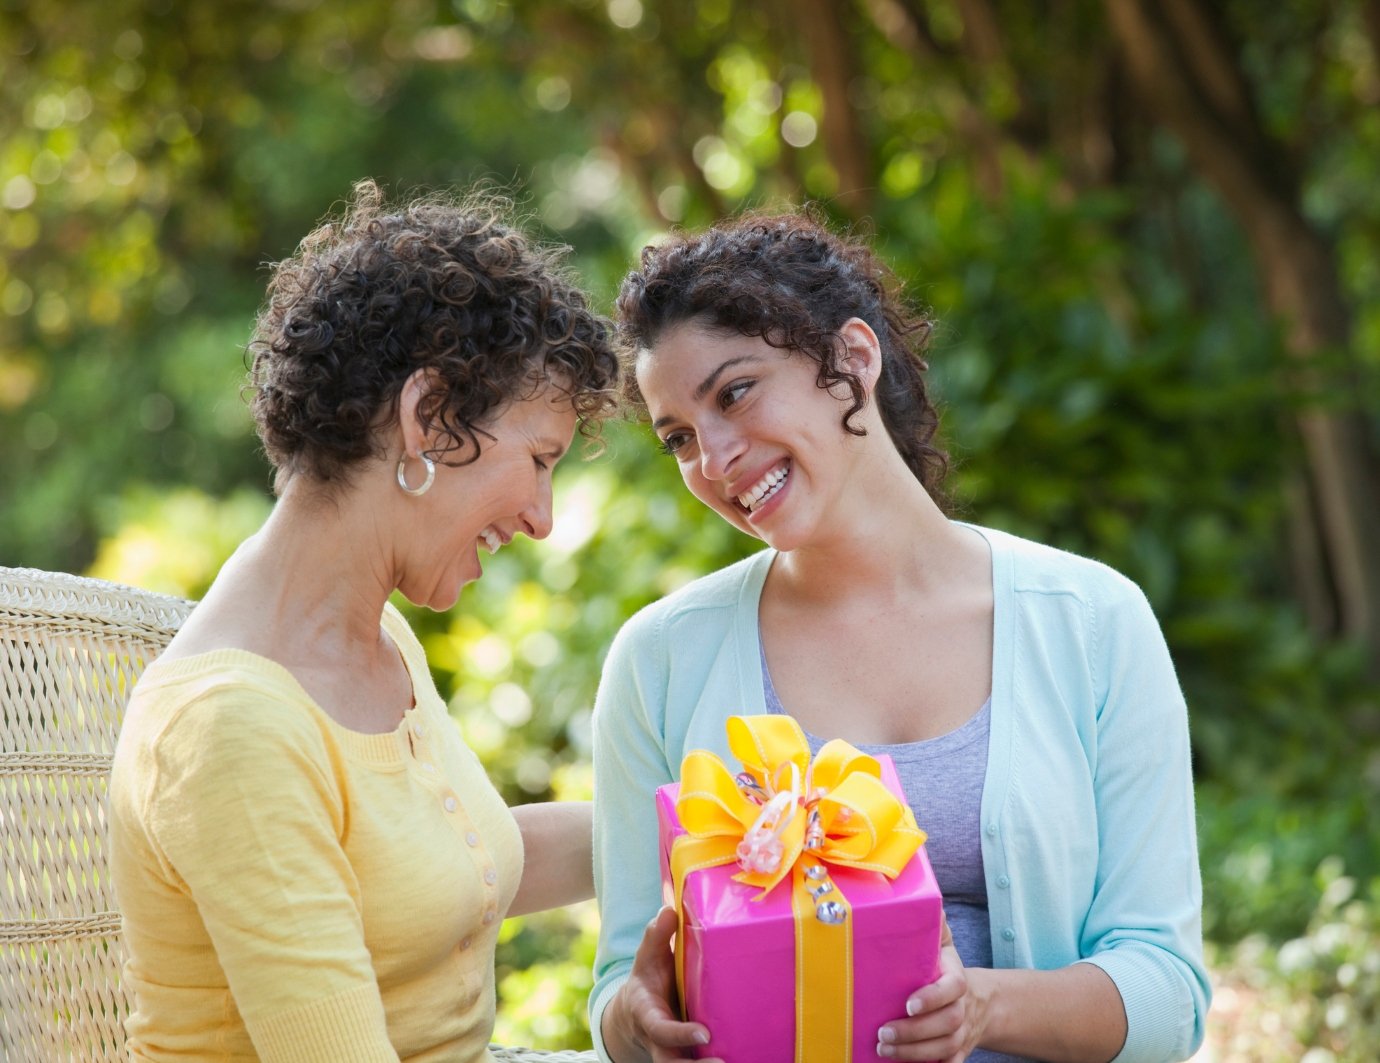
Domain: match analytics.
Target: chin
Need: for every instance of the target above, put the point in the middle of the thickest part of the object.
(738, 520)
(453, 597)
(441, 597)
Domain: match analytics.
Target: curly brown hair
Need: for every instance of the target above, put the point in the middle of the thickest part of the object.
(791, 281)
(443, 283)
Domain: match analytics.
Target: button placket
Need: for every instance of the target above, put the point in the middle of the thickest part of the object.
(483, 862)
(455, 810)
(425, 758)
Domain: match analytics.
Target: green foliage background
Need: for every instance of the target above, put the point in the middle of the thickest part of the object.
(1110, 380)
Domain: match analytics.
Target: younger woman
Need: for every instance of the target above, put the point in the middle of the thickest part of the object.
(1025, 694)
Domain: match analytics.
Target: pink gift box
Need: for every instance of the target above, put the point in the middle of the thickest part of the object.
(740, 952)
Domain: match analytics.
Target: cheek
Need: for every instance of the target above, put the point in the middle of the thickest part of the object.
(706, 492)
(696, 484)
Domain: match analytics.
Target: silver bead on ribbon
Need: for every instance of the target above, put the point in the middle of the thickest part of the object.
(820, 890)
(750, 787)
(831, 912)
(816, 872)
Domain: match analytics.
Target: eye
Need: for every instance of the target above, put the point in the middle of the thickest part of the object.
(733, 393)
(674, 442)
(540, 463)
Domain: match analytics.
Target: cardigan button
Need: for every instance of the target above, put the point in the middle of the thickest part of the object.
(472, 839)
(451, 804)
(991, 830)
(1009, 934)
(490, 875)
(1003, 882)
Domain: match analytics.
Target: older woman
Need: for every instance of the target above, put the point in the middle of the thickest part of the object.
(311, 863)
(1025, 694)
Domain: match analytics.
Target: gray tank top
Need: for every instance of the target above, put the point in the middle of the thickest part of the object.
(942, 778)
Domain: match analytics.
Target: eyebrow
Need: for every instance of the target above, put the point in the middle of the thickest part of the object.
(708, 382)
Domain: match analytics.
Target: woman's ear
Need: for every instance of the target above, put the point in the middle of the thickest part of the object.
(863, 352)
(416, 440)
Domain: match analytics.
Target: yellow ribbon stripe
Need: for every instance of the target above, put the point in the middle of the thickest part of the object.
(823, 978)
(861, 824)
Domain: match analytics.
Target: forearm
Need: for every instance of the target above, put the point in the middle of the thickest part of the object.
(558, 866)
(1072, 1015)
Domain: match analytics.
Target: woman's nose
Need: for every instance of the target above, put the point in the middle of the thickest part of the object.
(720, 448)
(537, 519)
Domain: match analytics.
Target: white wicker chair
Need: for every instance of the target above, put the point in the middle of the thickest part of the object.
(70, 650)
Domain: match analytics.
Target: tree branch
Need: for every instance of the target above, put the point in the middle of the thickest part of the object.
(1298, 272)
(1370, 15)
(1206, 51)
(1237, 159)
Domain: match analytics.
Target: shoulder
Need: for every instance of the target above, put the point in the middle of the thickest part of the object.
(703, 605)
(227, 710)
(1038, 570)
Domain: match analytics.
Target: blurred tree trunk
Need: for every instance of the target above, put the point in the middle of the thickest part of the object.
(1190, 81)
(833, 68)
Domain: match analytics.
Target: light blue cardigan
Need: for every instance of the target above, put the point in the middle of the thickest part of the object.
(1089, 843)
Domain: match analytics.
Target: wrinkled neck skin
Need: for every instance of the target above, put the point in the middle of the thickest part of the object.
(319, 572)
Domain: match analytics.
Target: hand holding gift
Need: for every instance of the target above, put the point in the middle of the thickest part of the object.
(642, 1022)
(808, 911)
(943, 1018)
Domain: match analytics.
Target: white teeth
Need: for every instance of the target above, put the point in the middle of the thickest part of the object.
(492, 540)
(764, 488)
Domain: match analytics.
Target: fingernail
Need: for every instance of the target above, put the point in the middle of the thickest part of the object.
(913, 1006)
(701, 1037)
(885, 1051)
(886, 1035)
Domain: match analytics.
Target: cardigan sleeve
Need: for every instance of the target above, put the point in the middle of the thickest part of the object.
(629, 764)
(1144, 927)
(245, 815)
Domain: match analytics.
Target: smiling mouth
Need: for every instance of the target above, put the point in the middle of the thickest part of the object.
(765, 489)
(492, 539)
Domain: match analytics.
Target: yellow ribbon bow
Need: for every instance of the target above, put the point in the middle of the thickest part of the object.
(788, 815)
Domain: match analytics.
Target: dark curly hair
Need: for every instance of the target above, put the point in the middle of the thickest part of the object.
(441, 283)
(790, 280)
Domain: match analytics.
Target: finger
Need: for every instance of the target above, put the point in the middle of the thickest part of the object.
(930, 1035)
(929, 1050)
(662, 1031)
(656, 939)
(939, 994)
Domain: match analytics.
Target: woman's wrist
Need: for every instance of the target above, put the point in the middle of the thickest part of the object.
(985, 1003)
(613, 1029)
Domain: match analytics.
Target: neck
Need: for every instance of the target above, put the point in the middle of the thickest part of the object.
(902, 546)
(326, 570)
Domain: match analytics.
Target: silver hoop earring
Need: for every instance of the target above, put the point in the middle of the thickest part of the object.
(425, 485)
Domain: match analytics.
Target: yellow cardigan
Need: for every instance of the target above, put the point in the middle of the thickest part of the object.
(296, 891)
